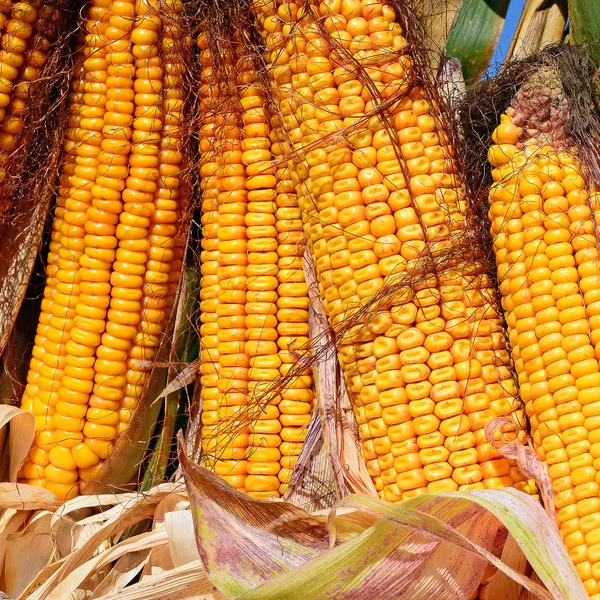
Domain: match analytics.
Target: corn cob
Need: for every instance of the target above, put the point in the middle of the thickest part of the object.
(26, 66)
(222, 333)
(102, 307)
(546, 246)
(249, 303)
(378, 194)
(17, 22)
(41, 395)
(261, 290)
(293, 304)
(164, 255)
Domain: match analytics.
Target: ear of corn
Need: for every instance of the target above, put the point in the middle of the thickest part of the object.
(27, 29)
(379, 193)
(253, 296)
(546, 245)
(113, 245)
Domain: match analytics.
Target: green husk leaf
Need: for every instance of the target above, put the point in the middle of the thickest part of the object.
(475, 34)
(375, 564)
(402, 556)
(584, 22)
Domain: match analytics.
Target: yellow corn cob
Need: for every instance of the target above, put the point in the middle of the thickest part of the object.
(107, 275)
(165, 251)
(20, 57)
(546, 246)
(31, 22)
(209, 283)
(430, 369)
(261, 290)
(41, 395)
(297, 401)
(223, 332)
(244, 292)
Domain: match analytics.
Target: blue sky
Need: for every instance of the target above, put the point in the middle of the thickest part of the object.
(512, 18)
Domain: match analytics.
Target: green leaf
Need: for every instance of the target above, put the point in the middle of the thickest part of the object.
(584, 17)
(475, 34)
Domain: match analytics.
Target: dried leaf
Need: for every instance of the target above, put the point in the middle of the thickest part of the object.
(132, 511)
(28, 552)
(19, 246)
(500, 586)
(184, 378)
(10, 522)
(312, 485)
(160, 558)
(340, 431)
(26, 497)
(182, 543)
(188, 582)
(120, 502)
(542, 22)
(437, 17)
(123, 572)
(527, 461)
(451, 81)
(244, 542)
(20, 437)
(325, 372)
(356, 475)
(74, 578)
(43, 575)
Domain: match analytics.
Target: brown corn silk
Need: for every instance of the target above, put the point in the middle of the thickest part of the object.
(115, 255)
(543, 209)
(254, 300)
(418, 333)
